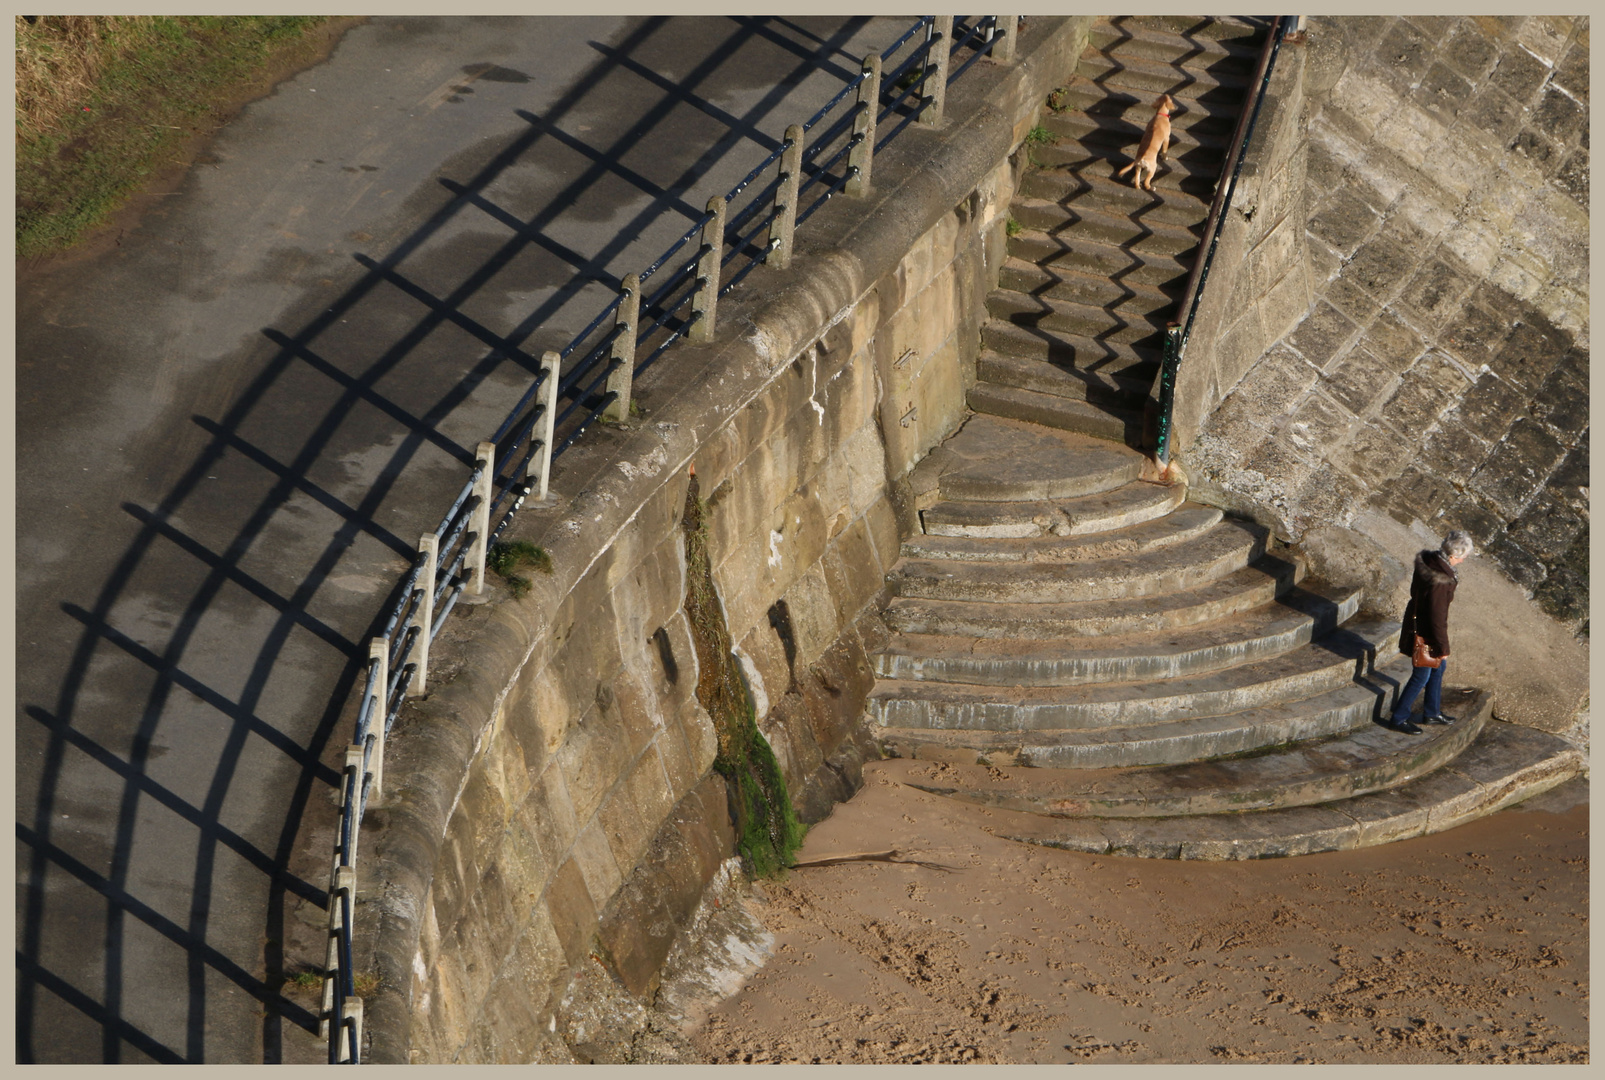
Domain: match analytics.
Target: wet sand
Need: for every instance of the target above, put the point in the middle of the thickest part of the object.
(1469, 946)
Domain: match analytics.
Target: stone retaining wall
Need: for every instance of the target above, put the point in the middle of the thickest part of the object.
(553, 819)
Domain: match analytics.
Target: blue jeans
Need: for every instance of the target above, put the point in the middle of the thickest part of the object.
(1432, 677)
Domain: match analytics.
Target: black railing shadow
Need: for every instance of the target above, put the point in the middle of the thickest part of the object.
(352, 431)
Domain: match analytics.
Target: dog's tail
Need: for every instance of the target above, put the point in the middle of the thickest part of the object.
(1126, 170)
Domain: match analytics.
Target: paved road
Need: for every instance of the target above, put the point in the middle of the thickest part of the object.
(231, 433)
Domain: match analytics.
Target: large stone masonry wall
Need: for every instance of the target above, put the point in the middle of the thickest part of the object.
(1260, 283)
(552, 820)
(1440, 379)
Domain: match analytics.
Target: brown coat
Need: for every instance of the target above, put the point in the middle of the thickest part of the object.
(1432, 590)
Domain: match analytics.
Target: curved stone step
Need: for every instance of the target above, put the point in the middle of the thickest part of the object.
(1258, 583)
(1347, 707)
(1209, 122)
(1505, 765)
(1185, 523)
(1294, 620)
(996, 459)
(1072, 251)
(1328, 664)
(1067, 414)
(1126, 297)
(1367, 759)
(1120, 391)
(1141, 236)
(1105, 511)
(1082, 353)
(1226, 547)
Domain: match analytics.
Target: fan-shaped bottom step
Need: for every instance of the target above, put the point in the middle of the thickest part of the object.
(1504, 766)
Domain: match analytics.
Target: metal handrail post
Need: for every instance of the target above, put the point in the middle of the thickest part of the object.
(379, 655)
(541, 463)
(621, 357)
(862, 155)
(938, 47)
(344, 878)
(423, 613)
(485, 455)
(1004, 31)
(705, 301)
(783, 227)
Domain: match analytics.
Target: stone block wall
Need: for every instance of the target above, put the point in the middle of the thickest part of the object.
(1260, 283)
(1441, 375)
(553, 820)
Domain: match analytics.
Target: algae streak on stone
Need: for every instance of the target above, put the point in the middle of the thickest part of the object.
(767, 829)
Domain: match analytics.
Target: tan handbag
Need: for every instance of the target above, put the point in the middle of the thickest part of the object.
(1423, 657)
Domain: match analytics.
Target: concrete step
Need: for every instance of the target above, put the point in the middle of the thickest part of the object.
(1103, 511)
(1302, 614)
(1142, 237)
(1137, 36)
(1071, 250)
(1068, 317)
(1084, 354)
(1259, 583)
(1187, 522)
(994, 459)
(1126, 391)
(1328, 664)
(1367, 759)
(1189, 171)
(1210, 125)
(1505, 765)
(1226, 547)
(1349, 706)
(1109, 132)
(1179, 202)
(1118, 425)
(1212, 109)
(1186, 81)
(1201, 28)
(1123, 297)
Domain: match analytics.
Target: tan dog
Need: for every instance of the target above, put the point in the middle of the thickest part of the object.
(1154, 142)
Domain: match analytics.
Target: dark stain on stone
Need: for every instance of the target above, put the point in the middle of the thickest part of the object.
(780, 620)
(660, 638)
(493, 73)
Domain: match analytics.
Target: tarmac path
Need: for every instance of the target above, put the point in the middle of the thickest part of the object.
(234, 425)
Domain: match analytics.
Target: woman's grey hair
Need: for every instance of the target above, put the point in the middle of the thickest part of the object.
(1457, 545)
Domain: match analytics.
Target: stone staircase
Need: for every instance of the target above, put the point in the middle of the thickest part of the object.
(1108, 667)
(1096, 266)
(1096, 662)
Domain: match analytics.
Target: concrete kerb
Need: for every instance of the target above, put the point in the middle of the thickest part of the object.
(923, 176)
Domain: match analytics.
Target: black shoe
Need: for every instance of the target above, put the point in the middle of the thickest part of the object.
(1440, 719)
(1404, 727)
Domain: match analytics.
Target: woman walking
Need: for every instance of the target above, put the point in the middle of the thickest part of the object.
(1426, 620)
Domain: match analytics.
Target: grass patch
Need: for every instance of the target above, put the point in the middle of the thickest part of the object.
(1040, 136)
(104, 102)
(1059, 100)
(768, 833)
(1013, 227)
(506, 557)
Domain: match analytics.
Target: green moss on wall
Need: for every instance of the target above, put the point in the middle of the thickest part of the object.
(768, 832)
